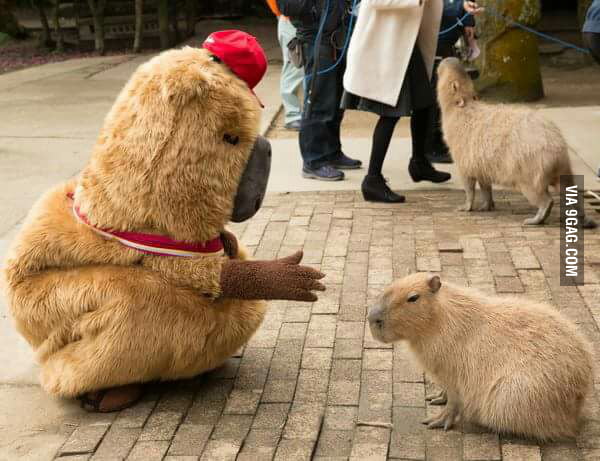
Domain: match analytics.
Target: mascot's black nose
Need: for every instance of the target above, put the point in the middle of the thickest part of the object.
(253, 185)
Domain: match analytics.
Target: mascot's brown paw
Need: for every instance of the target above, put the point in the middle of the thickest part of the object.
(114, 399)
(230, 244)
(279, 279)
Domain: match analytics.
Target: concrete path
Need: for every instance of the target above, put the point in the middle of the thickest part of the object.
(313, 381)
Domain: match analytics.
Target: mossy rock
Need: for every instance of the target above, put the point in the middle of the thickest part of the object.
(509, 64)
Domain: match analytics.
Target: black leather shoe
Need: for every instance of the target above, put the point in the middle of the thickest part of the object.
(375, 189)
(421, 170)
(342, 162)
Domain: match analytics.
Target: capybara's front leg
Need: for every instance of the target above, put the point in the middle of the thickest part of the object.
(469, 184)
(488, 201)
(448, 415)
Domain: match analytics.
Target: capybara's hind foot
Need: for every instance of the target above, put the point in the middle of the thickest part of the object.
(114, 399)
(437, 398)
(533, 221)
(491, 206)
(465, 208)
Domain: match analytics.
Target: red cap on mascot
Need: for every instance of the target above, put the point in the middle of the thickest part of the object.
(241, 52)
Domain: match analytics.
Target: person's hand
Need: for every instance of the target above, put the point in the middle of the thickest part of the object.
(472, 7)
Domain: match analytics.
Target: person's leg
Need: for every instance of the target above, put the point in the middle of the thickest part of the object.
(374, 187)
(339, 159)
(291, 76)
(420, 168)
(592, 42)
(439, 151)
(382, 136)
(318, 141)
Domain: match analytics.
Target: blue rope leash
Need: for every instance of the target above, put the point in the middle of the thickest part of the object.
(511, 22)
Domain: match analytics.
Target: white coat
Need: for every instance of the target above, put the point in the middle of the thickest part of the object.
(382, 42)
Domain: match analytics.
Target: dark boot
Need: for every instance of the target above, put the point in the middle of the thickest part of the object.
(375, 189)
(421, 170)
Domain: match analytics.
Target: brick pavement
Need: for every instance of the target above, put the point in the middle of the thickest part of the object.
(312, 382)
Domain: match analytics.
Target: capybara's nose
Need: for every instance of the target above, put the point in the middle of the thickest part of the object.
(376, 316)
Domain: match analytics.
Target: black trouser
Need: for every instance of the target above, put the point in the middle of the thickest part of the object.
(322, 117)
(438, 145)
(592, 42)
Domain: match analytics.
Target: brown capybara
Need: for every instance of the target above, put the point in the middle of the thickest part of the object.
(501, 144)
(509, 364)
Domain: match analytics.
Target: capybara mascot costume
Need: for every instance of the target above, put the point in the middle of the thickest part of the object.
(126, 274)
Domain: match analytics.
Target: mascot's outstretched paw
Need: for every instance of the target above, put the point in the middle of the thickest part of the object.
(280, 279)
(114, 399)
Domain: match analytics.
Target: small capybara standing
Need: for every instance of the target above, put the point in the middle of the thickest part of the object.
(503, 144)
(512, 365)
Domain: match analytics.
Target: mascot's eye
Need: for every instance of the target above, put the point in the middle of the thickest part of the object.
(231, 139)
(215, 58)
(413, 298)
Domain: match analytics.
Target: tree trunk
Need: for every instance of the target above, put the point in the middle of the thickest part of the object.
(97, 9)
(174, 21)
(163, 23)
(8, 22)
(190, 17)
(60, 40)
(509, 62)
(139, 24)
(46, 36)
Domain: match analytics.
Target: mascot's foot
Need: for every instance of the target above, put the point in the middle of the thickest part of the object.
(115, 399)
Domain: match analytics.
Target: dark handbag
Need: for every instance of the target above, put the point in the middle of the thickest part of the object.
(296, 53)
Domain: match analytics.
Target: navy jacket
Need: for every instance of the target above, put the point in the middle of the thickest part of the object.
(306, 15)
(453, 10)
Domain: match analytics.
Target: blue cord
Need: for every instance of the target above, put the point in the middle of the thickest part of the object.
(459, 23)
(496, 13)
(346, 41)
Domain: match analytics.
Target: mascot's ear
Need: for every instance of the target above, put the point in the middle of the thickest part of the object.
(183, 83)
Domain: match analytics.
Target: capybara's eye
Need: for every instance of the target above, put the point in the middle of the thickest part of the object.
(413, 298)
(231, 139)
(215, 58)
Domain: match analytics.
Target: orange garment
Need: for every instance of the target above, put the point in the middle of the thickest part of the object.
(274, 8)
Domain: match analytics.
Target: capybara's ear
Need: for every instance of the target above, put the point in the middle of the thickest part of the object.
(455, 85)
(460, 102)
(434, 283)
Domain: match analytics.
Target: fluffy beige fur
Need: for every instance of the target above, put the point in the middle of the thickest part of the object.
(503, 144)
(101, 315)
(509, 364)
